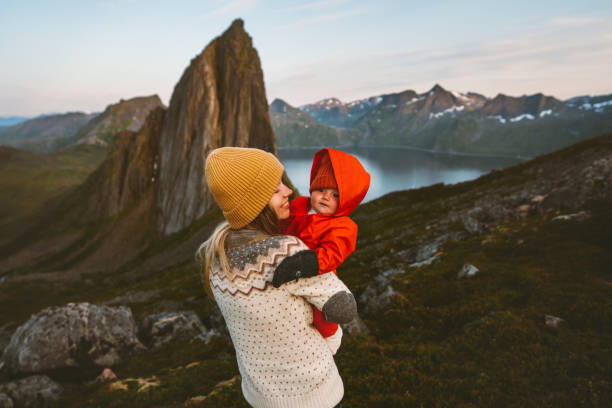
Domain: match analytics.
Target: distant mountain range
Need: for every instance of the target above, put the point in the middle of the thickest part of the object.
(446, 121)
(47, 133)
(6, 121)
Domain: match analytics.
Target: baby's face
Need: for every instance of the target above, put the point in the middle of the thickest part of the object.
(324, 200)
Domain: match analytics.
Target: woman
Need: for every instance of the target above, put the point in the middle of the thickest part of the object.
(254, 276)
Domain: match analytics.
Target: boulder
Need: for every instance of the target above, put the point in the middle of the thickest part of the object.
(467, 271)
(555, 322)
(78, 335)
(428, 252)
(159, 329)
(471, 222)
(31, 392)
(379, 293)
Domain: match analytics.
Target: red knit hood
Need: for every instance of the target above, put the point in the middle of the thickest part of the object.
(352, 179)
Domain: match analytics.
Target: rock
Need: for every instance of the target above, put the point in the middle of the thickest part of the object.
(356, 326)
(195, 401)
(5, 401)
(537, 199)
(78, 335)
(555, 322)
(478, 219)
(470, 221)
(106, 376)
(467, 271)
(32, 392)
(142, 384)
(162, 328)
(379, 293)
(581, 216)
(427, 261)
(430, 250)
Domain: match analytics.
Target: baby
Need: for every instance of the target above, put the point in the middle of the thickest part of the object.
(338, 183)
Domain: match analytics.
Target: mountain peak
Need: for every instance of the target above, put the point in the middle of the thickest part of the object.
(279, 106)
(219, 101)
(437, 88)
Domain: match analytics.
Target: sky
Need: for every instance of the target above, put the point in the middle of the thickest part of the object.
(60, 56)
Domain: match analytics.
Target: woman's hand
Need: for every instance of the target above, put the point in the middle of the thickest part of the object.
(303, 264)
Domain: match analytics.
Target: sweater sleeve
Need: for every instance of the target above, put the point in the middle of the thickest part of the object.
(337, 244)
(318, 289)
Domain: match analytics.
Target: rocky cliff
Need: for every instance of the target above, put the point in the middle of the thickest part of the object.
(130, 170)
(219, 101)
(152, 182)
(124, 115)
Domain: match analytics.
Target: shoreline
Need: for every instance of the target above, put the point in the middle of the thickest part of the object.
(516, 157)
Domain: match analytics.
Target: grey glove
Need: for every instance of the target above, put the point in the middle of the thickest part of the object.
(340, 308)
(303, 264)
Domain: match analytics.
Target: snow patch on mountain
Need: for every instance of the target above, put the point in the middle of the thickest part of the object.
(452, 109)
(599, 107)
(365, 103)
(546, 113)
(463, 97)
(521, 117)
(414, 100)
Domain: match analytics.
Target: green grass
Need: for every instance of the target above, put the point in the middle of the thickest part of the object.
(482, 341)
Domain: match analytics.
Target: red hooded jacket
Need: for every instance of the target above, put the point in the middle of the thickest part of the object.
(332, 237)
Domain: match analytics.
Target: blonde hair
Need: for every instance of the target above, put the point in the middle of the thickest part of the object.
(213, 250)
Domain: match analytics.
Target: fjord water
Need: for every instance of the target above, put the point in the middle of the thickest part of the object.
(393, 168)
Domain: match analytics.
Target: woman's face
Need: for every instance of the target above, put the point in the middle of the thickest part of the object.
(280, 201)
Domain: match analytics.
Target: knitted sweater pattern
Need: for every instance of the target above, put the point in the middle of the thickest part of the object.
(283, 360)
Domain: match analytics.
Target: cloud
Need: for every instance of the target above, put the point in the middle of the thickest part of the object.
(324, 18)
(232, 7)
(316, 5)
(561, 57)
(574, 21)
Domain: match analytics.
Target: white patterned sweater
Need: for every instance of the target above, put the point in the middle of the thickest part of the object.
(284, 361)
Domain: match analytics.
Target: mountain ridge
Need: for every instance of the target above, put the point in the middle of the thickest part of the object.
(455, 122)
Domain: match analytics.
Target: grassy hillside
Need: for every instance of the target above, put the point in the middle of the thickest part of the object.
(28, 180)
(441, 341)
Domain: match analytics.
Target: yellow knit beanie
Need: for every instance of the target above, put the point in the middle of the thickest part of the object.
(242, 181)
